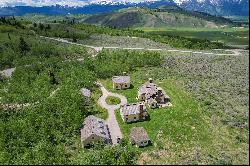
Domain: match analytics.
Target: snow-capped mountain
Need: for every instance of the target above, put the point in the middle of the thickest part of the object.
(217, 7)
(214, 7)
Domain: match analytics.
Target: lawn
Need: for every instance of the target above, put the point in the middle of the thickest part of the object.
(112, 100)
(182, 123)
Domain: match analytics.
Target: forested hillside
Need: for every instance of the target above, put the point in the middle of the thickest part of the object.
(164, 16)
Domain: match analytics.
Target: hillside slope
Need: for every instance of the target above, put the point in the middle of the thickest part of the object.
(164, 16)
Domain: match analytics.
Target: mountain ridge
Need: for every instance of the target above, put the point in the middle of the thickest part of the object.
(164, 16)
(213, 7)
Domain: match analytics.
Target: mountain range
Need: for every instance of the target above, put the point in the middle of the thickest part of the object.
(213, 7)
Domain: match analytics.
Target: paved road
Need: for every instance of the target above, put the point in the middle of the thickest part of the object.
(111, 121)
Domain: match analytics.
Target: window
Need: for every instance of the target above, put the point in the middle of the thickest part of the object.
(126, 86)
(102, 132)
(93, 137)
(126, 119)
(134, 118)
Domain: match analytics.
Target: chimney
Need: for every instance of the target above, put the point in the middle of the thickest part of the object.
(141, 107)
(159, 91)
(150, 80)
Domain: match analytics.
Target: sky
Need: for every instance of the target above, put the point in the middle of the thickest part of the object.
(59, 2)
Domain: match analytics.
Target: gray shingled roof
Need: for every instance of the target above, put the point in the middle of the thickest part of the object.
(85, 92)
(138, 134)
(151, 100)
(94, 125)
(131, 109)
(164, 93)
(121, 79)
(148, 88)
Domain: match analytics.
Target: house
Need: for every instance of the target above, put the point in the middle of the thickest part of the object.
(138, 136)
(94, 129)
(133, 112)
(86, 95)
(121, 82)
(153, 95)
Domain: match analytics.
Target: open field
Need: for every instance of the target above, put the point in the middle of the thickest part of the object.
(121, 41)
(230, 36)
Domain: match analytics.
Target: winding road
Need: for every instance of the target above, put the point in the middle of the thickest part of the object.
(112, 123)
(235, 52)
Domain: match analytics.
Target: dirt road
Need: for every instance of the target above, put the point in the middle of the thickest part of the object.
(111, 121)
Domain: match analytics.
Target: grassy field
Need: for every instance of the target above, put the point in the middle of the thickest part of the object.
(102, 40)
(230, 36)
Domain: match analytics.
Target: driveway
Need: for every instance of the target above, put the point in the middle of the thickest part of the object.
(111, 121)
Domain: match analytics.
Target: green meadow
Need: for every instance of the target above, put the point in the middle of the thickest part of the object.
(229, 36)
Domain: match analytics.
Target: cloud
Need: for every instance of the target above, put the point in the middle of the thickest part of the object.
(58, 2)
(42, 2)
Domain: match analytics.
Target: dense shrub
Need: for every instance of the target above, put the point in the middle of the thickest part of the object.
(110, 63)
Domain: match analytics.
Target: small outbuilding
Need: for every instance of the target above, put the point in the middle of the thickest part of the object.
(86, 95)
(121, 82)
(139, 137)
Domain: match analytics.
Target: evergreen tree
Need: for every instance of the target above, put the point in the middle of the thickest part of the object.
(41, 26)
(74, 38)
(23, 46)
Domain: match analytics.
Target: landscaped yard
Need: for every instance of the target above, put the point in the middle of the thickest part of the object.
(110, 100)
(179, 123)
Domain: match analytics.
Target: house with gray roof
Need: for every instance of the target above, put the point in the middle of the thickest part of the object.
(86, 95)
(121, 82)
(138, 136)
(94, 129)
(133, 112)
(153, 95)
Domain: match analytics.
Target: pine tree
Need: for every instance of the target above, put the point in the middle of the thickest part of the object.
(74, 38)
(23, 46)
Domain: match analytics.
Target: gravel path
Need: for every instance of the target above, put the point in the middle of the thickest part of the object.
(235, 52)
(111, 121)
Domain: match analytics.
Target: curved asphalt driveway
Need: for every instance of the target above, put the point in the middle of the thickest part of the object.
(112, 123)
